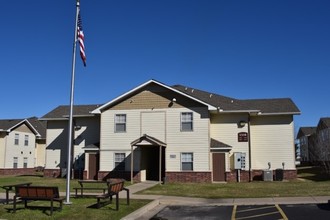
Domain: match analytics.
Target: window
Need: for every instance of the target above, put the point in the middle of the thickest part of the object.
(120, 123)
(120, 161)
(15, 162)
(25, 162)
(187, 161)
(16, 139)
(26, 140)
(186, 121)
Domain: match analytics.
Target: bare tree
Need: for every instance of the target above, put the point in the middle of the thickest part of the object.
(319, 149)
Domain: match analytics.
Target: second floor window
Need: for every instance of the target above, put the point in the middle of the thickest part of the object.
(120, 123)
(186, 121)
(16, 139)
(26, 140)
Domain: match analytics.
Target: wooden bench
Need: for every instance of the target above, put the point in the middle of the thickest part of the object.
(12, 187)
(113, 190)
(84, 183)
(34, 193)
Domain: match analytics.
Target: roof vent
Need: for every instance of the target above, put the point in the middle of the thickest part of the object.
(192, 91)
(232, 101)
(211, 95)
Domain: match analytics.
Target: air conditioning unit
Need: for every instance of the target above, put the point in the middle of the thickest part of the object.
(267, 175)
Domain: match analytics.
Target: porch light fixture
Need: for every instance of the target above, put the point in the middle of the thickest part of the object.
(77, 127)
(242, 123)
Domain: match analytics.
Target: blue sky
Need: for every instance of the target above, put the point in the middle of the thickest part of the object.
(241, 49)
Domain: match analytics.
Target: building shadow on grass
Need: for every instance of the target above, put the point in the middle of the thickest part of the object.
(102, 204)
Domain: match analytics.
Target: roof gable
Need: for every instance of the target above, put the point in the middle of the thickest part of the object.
(141, 87)
(323, 123)
(306, 131)
(148, 140)
(8, 125)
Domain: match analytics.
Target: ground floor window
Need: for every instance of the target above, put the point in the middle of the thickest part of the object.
(25, 162)
(187, 160)
(15, 162)
(120, 161)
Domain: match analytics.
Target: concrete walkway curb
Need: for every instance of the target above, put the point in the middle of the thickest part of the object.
(142, 211)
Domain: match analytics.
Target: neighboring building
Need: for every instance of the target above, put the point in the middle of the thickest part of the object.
(303, 138)
(86, 138)
(22, 145)
(175, 133)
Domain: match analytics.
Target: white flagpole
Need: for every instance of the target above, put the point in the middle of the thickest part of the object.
(68, 170)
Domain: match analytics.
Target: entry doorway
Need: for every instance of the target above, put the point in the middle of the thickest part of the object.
(219, 162)
(93, 166)
(150, 162)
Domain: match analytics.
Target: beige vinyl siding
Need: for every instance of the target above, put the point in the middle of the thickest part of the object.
(57, 141)
(3, 146)
(167, 129)
(112, 141)
(20, 151)
(40, 154)
(224, 128)
(154, 124)
(89, 133)
(196, 141)
(272, 140)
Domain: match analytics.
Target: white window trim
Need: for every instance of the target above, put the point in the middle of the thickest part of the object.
(26, 140)
(114, 160)
(192, 121)
(16, 138)
(25, 160)
(15, 161)
(191, 161)
(115, 123)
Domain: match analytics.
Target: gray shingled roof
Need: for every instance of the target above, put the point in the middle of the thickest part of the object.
(39, 126)
(276, 105)
(218, 144)
(326, 121)
(306, 131)
(63, 111)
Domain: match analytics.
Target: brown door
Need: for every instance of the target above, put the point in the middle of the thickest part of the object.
(93, 166)
(218, 166)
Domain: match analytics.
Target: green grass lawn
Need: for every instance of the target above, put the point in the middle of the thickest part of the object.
(81, 208)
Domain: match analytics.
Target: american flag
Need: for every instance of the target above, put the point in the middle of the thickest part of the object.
(81, 40)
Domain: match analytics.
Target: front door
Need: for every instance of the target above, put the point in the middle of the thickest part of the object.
(93, 166)
(218, 167)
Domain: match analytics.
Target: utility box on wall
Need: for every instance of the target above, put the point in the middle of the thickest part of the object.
(267, 175)
(239, 160)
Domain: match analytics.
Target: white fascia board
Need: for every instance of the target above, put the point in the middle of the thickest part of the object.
(280, 113)
(239, 111)
(53, 119)
(99, 109)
